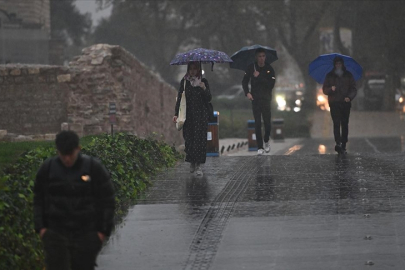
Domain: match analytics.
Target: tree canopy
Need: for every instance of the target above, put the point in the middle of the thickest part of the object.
(67, 23)
(154, 31)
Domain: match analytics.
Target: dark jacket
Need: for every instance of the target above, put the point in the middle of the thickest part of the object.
(262, 85)
(345, 86)
(65, 203)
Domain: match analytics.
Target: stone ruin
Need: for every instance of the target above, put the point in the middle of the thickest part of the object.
(38, 101)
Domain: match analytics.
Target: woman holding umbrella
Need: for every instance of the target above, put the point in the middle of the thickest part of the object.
(198, 95)
(340, 87)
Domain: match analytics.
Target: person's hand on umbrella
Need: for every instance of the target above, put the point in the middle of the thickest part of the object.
(333, 88)
(175, 119)
(347, 99)
(256, 73)
(249, 96)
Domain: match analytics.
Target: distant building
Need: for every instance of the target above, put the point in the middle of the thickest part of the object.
(25, 31)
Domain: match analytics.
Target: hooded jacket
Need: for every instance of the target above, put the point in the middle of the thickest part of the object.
(262, 85)
(345, 86)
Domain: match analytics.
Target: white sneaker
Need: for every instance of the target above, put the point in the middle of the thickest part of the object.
(198, 170)
(260, 152)
(267, 147)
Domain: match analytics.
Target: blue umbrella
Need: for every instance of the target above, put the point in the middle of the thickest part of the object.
(323, 64)
(204, 56)
(246, 56)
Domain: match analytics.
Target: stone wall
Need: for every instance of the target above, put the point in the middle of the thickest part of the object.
(37, 99)
(31, 99)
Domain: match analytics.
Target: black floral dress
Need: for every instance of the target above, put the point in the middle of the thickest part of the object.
(196, 124)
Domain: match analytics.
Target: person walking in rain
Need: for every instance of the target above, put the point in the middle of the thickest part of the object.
(262, 79)
(197, 92)
(340, 87)
(73, 206)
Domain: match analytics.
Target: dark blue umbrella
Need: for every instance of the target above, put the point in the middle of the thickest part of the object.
(246, 56)
(204, 56)
(323, 64)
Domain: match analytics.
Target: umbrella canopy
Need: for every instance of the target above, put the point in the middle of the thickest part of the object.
(323, 64)
(204, 56)
(246, 56)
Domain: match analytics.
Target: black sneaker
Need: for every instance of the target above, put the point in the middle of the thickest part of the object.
(344, 148)
(338, 148)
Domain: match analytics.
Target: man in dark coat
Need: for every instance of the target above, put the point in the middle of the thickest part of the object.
(73, 206)
(262, 79)
(340, 87)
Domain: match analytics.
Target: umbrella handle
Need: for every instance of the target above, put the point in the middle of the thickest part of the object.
(212, 66)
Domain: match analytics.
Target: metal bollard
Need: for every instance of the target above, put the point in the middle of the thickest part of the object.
(277, 129)
(252, 143)
(213, 136)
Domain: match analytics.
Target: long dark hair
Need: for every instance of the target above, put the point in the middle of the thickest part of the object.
(198, 65)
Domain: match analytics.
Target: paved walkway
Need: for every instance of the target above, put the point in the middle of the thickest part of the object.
(300, 210)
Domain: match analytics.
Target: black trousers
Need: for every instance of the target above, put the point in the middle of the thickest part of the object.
(261, 108)
(340, 112)
(71, 252)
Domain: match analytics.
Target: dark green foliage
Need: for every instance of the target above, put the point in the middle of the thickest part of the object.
(130, 160)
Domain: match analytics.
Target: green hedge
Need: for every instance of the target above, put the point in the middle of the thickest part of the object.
(130, 160)
(234, 114)
(233, 124)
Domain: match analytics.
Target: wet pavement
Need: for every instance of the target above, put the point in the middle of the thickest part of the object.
(300, 207)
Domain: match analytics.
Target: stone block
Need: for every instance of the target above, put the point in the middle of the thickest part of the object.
(33, 71)
(15, 72)
(49, 137)
(64, 126)
(38, 137)
(64, 78)
(3, 133)
(23, 138)
(3, 72)
(97, 61)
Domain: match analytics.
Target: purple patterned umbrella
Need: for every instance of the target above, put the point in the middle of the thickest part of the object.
(201, 55)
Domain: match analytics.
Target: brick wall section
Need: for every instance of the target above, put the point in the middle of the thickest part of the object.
(145, 103)
(37, 99)
(31, 99)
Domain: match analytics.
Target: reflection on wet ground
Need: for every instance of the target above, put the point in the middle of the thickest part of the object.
(303, 210)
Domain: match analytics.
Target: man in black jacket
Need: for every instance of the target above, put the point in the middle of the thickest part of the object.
(262, 79)
(73, 206)
(340, 87)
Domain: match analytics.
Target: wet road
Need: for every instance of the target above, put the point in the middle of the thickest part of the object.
(302, 207)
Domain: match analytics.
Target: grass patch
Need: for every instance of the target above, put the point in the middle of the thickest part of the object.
(11, 151)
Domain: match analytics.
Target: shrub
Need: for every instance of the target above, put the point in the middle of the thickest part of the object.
(130, 160)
